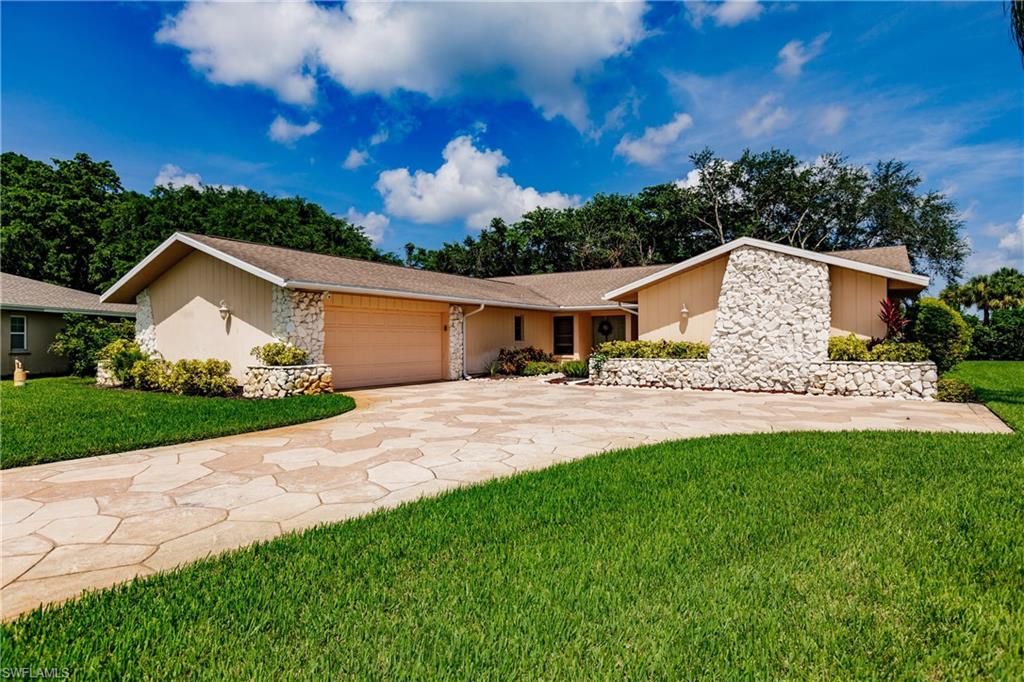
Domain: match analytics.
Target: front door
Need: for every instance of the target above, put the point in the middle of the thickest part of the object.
(608, 328)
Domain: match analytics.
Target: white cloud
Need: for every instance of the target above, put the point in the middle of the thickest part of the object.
(174, 177)
(539, 50)
(795, 54)
(356, 158)
(691, 180)
(286, 132)
(655, 143)
(764, 117)
(1014, 241)
(372, 223)
(729, 13)
(832, 119)
(467, 186)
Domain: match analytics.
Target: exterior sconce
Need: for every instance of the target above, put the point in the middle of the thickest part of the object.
(224, 310)
(683, 311)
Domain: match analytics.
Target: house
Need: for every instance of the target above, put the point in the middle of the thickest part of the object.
(31, 314)
(200, 296)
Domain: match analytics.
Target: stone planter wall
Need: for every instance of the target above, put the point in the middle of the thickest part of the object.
(297, 317)
(104, 377)
(263, 381)
(902, 380)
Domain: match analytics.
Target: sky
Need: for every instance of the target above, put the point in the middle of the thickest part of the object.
(422, 121)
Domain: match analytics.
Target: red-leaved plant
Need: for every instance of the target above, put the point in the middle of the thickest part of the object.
(892, 315)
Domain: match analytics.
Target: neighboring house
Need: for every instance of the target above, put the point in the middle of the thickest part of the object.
(32, 312)
(201, 296)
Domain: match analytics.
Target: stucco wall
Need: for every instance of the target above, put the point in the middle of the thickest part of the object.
(660, 304)
(492, 329)
(186, 301)
(856, 301)
(36, 359)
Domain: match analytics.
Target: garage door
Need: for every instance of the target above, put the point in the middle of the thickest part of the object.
(373, 347)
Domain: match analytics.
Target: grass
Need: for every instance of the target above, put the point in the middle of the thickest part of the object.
(999, 384)
(806, 555)
(62, 418)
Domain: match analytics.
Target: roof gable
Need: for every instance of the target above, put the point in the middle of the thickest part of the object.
(829, 259)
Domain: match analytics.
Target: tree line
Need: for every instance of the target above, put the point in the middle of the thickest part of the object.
(72, 223)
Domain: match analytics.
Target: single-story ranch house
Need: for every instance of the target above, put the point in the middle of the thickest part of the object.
(758, 304)
(32, 312)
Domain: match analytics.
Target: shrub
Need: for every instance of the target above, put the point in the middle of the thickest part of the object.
(201, 377)
(150, 375)
(279, 353)
(943, 331)
(514, 360)
(890, 351)
(954, 391)
(891, 314)
(850, 348)
(533, 369)
(576, 369)
(82, 339)
(1001, 339)
(120, 356)
(680, 350)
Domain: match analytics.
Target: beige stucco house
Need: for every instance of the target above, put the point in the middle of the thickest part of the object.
(375, 324)
(32, 312)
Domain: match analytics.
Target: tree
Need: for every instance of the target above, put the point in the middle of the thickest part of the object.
(827, 205)
(1004, 288)
(50, 216)
(1016, 11)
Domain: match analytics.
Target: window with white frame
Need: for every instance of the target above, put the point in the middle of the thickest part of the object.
(19, 332)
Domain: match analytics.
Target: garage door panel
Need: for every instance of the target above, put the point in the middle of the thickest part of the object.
(371, 346)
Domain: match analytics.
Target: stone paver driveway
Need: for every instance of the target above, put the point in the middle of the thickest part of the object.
(88, 523)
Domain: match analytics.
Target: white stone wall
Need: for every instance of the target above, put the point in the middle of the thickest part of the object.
(902, 380)
(297, 317)
(774, 315)
(262, 381)
(456, 350)
(145, 327)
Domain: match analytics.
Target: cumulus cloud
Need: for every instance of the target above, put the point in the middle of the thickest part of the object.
(286, 132)
(832, 119)
(764, 117)
(538, 50)
(356, 158)
(373, 223)
(174, 177)
(655, 143)
(795, 54)
(467, 186)
(729, 13)
(1014, 241)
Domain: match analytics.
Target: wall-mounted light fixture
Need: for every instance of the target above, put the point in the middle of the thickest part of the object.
(224, 309)
(683, 311)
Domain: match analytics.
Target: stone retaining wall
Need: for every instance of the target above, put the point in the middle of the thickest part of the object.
(902, 380)
(263, 381)
(105, 377)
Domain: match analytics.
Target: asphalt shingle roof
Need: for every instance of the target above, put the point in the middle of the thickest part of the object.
(22, 292)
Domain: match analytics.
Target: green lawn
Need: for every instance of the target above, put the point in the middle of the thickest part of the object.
(999, 384)
(849, 555)
(62, 418)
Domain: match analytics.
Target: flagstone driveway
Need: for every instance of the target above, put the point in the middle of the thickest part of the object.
(71, 526)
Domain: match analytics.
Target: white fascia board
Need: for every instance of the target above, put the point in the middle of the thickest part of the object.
(178, 237)
(402, 293)
(920, 280)
(61, 311)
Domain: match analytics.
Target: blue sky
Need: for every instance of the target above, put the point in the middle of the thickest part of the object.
(422, 120)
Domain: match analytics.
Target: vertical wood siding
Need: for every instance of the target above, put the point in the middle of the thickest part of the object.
(660, 304)
(856, 301)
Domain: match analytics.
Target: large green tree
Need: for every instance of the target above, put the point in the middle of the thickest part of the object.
(827, 205)
(71, 223)
(1004, 288)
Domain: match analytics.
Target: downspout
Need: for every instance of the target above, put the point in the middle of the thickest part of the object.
(465, 371)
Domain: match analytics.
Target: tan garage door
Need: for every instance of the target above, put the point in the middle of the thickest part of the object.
(373, 347)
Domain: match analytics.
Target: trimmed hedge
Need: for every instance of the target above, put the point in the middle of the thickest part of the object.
(280, 354)
(850, 348)
(679, 350)
(891, 351)
(533, 369)
(201, 377)
(943, 331)
(954, 391)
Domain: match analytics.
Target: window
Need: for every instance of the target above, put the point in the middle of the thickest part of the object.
(564, 342)
(519, 327)
(19, 332)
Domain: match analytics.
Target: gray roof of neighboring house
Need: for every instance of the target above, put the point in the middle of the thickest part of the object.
(305, 270)
(892, 257)
(22, 293)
